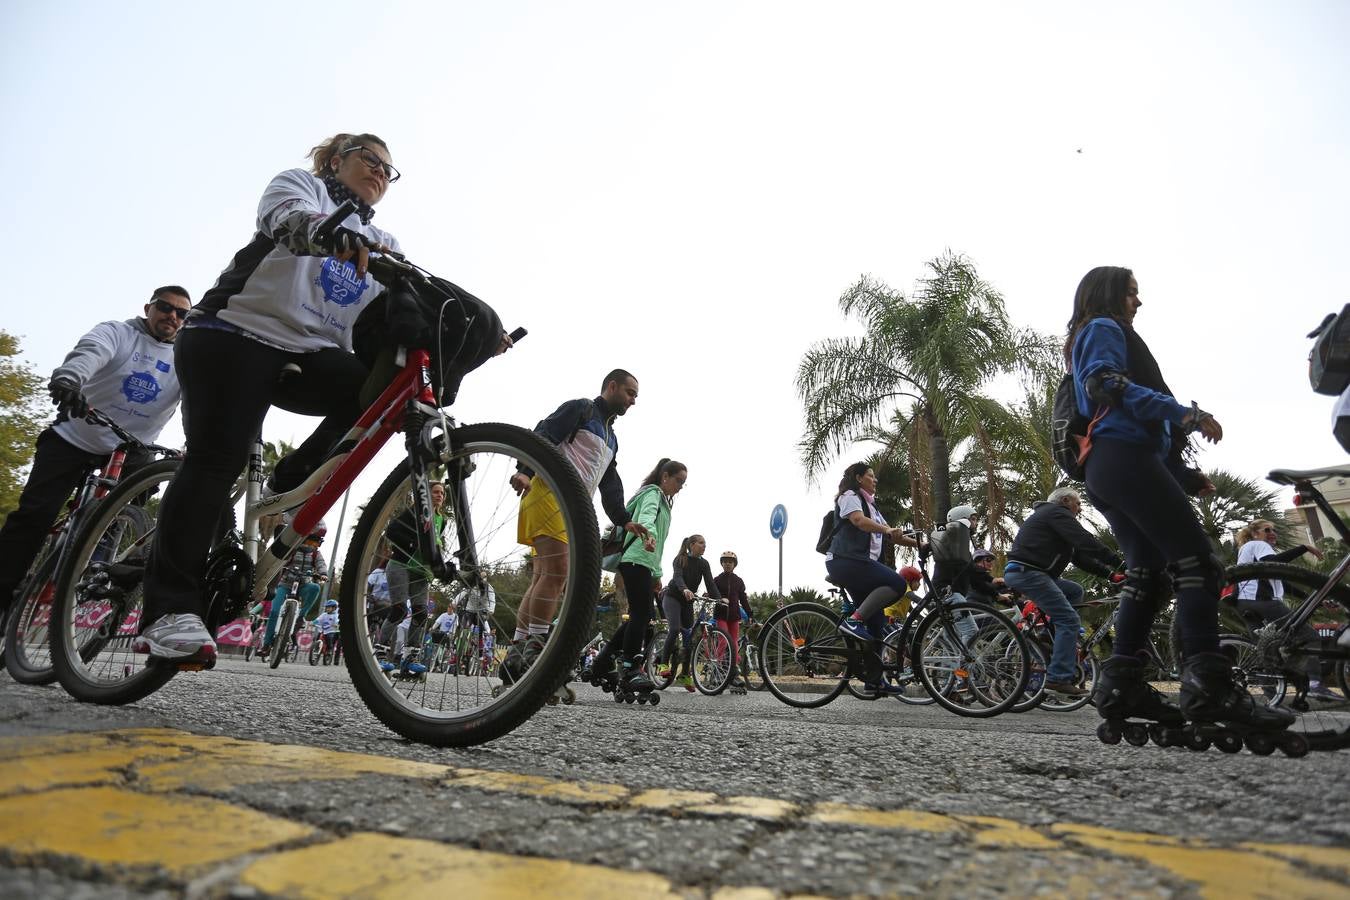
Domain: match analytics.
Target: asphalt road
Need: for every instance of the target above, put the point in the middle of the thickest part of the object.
(249, 782)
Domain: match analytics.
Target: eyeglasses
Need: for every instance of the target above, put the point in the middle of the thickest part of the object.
(181, 312)
(375, 163)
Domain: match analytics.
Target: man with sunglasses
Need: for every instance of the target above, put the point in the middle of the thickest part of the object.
(124, 370)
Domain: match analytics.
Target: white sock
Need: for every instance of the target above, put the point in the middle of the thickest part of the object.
(538, 631)
(520, 635)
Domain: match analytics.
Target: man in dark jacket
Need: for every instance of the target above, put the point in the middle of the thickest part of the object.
(1047, 542)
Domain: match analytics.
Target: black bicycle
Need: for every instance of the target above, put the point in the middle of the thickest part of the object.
(28, 656)
(1272, 662)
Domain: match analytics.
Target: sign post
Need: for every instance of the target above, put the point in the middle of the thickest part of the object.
(778, 525)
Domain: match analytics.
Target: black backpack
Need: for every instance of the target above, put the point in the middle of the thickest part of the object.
(1329, 361)
(1070, 430)
(830, 525)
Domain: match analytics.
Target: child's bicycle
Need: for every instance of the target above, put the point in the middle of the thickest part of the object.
(475, 462)
(28, 657)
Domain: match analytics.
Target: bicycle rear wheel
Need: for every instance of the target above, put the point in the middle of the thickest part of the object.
(461, 709)
(654, 664)
(281, 642)
(1258, 666)
(711, 660)
(754, 681)
(979, 673)
(96, 608)
(802, 656)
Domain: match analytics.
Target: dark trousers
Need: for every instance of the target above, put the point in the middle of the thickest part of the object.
(229, 382)
(1152, 519)
(629, 636)
(59, 468)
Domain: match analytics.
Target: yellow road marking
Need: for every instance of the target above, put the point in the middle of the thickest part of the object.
(378, 866)
(120, 828)
(538, 786)
(105, 824)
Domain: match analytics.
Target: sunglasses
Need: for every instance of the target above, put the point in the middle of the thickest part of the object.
(181, 312)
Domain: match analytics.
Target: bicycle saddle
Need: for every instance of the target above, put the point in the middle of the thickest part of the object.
(1293, 476)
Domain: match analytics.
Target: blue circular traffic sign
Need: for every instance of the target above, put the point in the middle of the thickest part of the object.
(778, 521)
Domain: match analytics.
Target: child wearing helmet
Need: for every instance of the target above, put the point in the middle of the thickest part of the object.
(327, 623)
(898, 611)
(732, 588)
(306, 568)
(954, 561)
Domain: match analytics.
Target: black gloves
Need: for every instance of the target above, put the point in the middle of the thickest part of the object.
(66, 394)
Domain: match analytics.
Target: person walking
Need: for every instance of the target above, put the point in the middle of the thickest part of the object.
(734, 613)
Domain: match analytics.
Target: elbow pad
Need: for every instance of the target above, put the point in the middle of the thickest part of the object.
(1106, 387)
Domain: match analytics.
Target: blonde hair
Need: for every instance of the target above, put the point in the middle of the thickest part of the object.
(1249, 531)
(324, 154)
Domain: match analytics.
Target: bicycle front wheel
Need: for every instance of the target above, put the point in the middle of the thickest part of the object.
(802, 656)
(96, 609)
(972, 659)
(711, 661)
(456, 708)
(654, 665)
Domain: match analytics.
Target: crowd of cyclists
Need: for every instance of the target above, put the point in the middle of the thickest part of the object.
(283, 326)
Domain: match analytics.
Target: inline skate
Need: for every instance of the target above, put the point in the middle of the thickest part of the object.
(1222, 714)
(634, 685)
(1123, 697)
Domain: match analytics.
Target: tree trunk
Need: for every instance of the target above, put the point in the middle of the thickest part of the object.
(941, 475)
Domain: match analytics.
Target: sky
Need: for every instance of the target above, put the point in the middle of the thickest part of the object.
(684, 190)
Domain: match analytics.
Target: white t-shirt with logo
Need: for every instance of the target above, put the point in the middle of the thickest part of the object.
(445, 623)
(1254, 551)
(129, 375)
(297, 303)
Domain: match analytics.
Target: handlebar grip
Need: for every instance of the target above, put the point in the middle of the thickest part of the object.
(335, 218)
(517, 334)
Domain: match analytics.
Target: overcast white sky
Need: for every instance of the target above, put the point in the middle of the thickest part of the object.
(685, 189)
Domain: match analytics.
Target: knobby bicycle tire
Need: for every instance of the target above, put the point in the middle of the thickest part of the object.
(478, 450)
(78, 656)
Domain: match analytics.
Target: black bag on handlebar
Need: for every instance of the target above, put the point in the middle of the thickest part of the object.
(1329, 361)
(468, 335)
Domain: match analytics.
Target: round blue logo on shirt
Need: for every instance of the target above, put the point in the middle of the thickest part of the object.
(339, 282)
(140, 387)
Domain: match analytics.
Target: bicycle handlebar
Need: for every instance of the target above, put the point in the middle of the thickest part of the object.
(385, 265)
(98, 417)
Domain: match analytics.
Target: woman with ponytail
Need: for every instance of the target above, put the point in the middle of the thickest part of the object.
(640, 567)
(687, 572)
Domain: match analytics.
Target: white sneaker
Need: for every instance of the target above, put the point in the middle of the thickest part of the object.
(176, 636)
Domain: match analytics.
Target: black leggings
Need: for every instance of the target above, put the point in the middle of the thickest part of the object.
(628, 637)
(229, 382)
(1155, 524)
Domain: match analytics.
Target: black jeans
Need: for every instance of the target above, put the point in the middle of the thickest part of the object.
(59, 467)
(629, 637)
(229, 382)
(1152, 518)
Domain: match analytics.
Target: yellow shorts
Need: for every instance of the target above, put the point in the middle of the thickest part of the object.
(539, 515)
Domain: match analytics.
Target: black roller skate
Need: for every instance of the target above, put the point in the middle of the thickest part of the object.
(1223, 714)
(736, 685)
(1122, 694)
(635, 685)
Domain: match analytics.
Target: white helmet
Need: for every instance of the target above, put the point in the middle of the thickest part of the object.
(960, 513)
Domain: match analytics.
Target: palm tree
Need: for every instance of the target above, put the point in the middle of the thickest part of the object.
(273, 451)
(914, 381)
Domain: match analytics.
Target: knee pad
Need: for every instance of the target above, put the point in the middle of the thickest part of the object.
(1205, 572)
(1150, 587)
